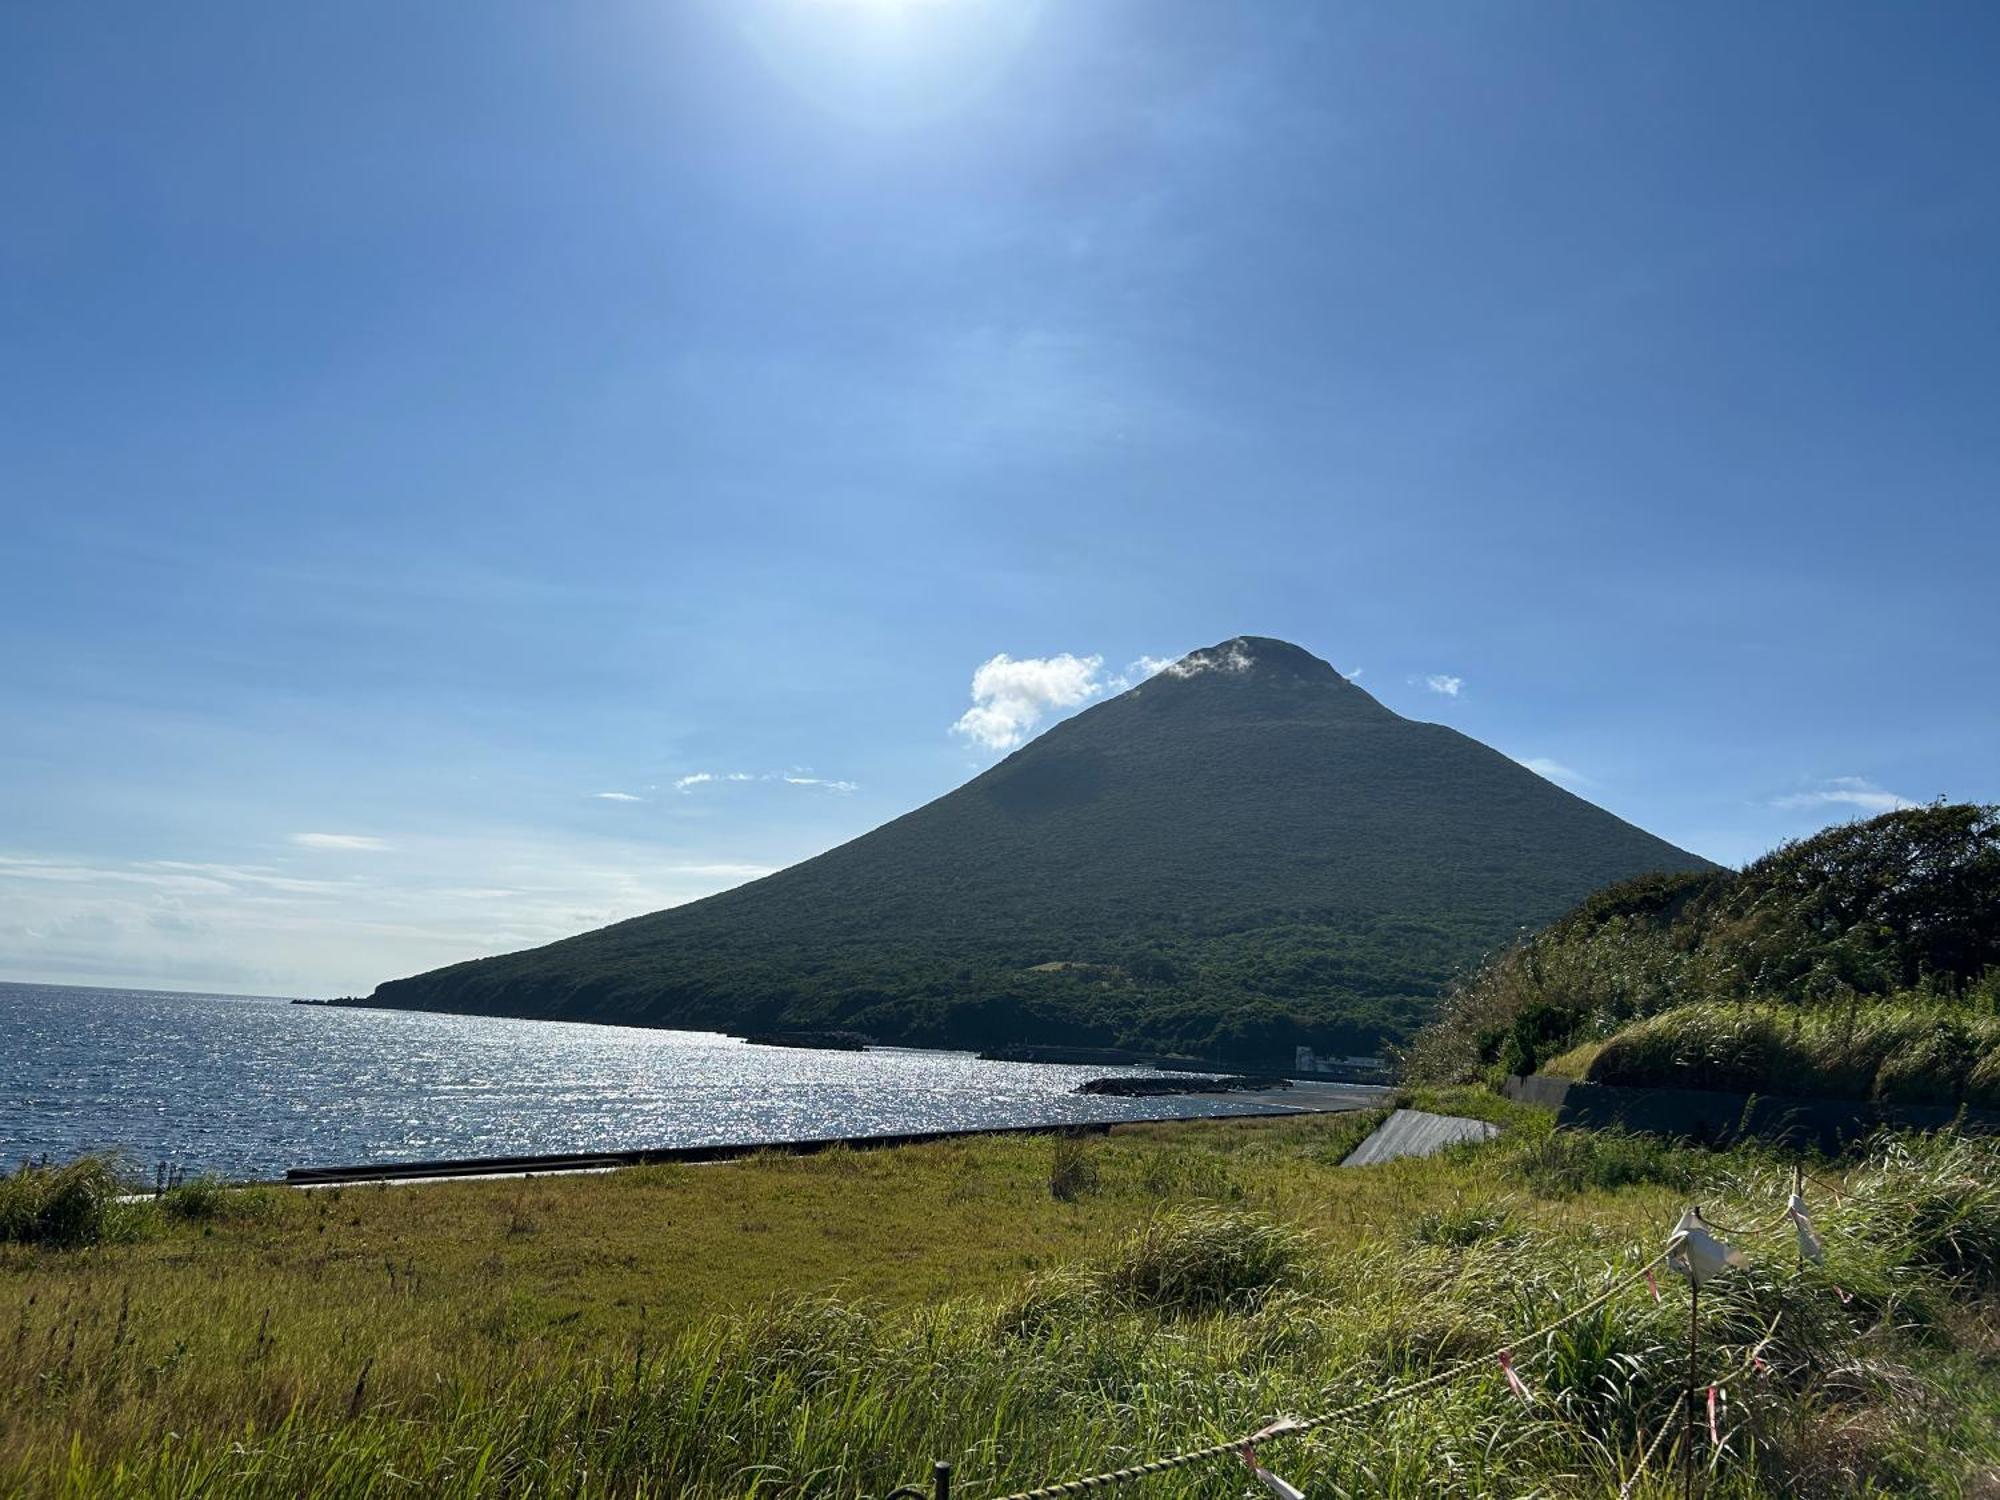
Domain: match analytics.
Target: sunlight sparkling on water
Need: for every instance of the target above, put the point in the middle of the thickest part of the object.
(248, 1087)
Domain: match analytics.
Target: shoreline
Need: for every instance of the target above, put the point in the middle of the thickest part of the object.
(1277, 1104)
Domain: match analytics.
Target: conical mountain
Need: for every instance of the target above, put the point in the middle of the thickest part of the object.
(1243, 852)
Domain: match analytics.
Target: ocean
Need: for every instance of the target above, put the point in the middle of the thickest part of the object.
(245, 1087)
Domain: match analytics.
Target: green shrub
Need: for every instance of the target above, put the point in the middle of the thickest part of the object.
(1073, 1170)
(1192, 1260)
(1909, 1050)
(1903, 905)
(65, 1206)
(198, 1199)
(1063, 1298)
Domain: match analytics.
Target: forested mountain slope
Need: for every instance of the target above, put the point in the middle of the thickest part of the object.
(1244, 851)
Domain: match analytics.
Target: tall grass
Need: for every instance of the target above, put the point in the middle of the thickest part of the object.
(1908, 1051)
(1565, 1163)
(1072, 1169)
(1198, 1322)
(75, 1203)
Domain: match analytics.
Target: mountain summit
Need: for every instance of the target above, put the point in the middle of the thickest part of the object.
(1242, 852)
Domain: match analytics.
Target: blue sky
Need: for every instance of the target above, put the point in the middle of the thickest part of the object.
(416, 421)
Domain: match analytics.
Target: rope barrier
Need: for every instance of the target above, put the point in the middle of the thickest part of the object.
(1749, 1363)
(1293, 1426)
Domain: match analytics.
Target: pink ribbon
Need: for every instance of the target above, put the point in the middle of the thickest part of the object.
(1713, 1436)
(1513, 1380)
(1654, 1285)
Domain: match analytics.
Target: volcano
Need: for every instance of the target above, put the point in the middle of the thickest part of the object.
(1244, 852)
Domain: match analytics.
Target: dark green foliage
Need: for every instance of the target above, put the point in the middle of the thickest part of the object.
(1907, 1051)
(1907, 904)
(1537, 1032)
(201, 1199)
(63, 1206)
(1198, 1259)
(1233, 858)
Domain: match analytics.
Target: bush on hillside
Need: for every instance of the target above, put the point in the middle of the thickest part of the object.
(1908, 1051)
(1073, 1170)
(66, 1206)
(1907, 903)
(1198, 1259)
(200, 1199)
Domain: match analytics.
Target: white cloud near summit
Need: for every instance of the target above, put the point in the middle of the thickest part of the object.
(1011, 696)
(1847, 791)
(1440, 682)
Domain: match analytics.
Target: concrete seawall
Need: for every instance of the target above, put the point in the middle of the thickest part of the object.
(1327, 1099)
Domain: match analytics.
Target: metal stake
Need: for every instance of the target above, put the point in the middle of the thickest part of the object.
(1687, 1456)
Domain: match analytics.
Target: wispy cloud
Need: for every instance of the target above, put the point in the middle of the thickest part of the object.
(797, 776)
(1230, 656)
(347, 841)
(1846, 791)
(1554, 770)
(1011, 696)
(251, 927)
(616, 797)
(1442, 682)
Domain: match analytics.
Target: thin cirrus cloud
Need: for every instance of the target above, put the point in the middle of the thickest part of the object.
(350, 842)
(212, 925)
(616, 797)
(795, 777)
(1846, 791)
(1554, 770)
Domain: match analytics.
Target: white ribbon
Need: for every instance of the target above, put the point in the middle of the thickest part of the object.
(1274, 1484)
(1265, 1477)
(1697, 1254)
(1809, 1245)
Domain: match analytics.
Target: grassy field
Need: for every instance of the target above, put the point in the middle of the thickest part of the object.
(1028, 1308)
